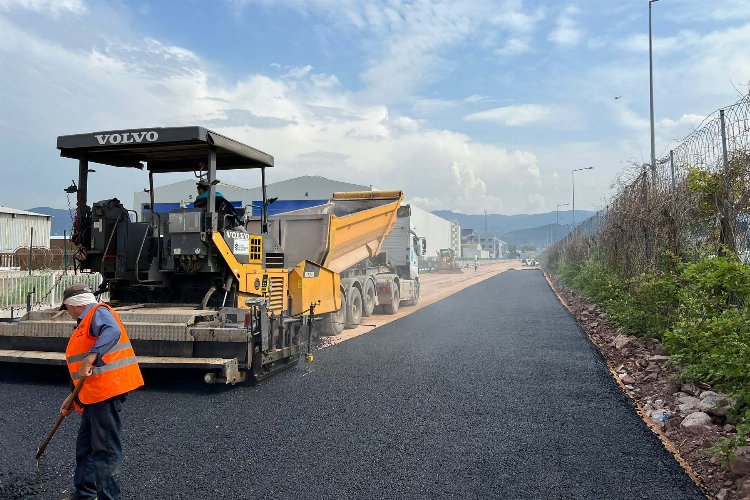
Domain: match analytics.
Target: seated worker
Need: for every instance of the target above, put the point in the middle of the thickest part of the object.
(223, 206)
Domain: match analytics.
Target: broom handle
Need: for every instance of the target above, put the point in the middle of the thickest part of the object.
(46, 441)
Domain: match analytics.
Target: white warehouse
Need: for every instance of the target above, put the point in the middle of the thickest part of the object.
(436, 230)
(16, 227)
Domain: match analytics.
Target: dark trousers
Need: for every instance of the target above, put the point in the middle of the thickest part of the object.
(99, 451)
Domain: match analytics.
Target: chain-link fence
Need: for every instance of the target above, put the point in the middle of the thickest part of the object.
(695, 202)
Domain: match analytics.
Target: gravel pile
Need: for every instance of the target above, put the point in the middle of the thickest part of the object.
(492, 392)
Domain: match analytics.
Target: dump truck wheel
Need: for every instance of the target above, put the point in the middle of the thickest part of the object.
(332, 324)
(368, 298)
(415, 299)
(392, 308)
(353, 308)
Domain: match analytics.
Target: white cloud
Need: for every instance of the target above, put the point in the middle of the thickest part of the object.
(426, 106)
(513, 47)
(405, 124)
(407, 41)
(514, 19)
(298, 72)
(53, 8)
(566, 32)
(70, 75)
(638, 42)
(631, 119)
(513, 116)
(309, 128)
(699, 11)
(473, 99)
(688, 119)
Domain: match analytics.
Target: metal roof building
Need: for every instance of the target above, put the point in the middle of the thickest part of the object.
(292, 194)
(16, 227)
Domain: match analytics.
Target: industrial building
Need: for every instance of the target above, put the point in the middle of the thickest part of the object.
(437, 231)
(481, 245)
(493, 245)
(294, 194)
(16, 227)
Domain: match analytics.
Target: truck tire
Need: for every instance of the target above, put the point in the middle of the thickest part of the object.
(353, 308)
(392, 308)
(332, 324)
(368, 298)
(415, 299)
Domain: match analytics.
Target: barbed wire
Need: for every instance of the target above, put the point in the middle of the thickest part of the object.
(696, 200)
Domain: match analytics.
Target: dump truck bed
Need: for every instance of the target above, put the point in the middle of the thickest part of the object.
(349, 228)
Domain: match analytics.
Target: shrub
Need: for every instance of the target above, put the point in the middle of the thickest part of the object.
(650, 304)
(713, 284)
(711, 332)
(567, 272)
(596, 282)
(714, 349)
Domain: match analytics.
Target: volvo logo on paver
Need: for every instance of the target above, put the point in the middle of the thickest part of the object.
(128, 137)
(237, 235)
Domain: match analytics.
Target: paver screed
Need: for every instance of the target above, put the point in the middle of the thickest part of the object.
(493, 392)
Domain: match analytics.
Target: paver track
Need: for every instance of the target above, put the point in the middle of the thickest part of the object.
(493, 392)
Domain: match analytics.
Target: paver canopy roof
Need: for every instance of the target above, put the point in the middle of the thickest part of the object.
(174, 149)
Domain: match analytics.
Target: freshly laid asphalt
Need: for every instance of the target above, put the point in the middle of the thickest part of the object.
(493, 392)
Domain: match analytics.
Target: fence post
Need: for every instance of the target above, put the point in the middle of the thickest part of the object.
(671, 166)
(65, 251)
(644, 221)
(726, 238)
(31, 251)
(724, 145)
(52, 281)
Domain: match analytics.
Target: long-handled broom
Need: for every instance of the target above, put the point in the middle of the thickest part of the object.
(46, 441)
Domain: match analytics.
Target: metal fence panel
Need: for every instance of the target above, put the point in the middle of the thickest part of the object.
(46, 288)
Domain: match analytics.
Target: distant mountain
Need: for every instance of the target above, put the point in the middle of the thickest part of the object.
(502, 224)
(60, 219)
(537, 236)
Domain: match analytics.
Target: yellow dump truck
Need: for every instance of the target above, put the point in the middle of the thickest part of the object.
(207, 287)
(347, 235)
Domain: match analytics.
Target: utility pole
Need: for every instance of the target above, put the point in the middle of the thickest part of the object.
(485, 222)
(651, 93)
(573, 177)
(557, 218)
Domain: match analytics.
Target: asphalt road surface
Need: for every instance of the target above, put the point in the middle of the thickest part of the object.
(493, 392)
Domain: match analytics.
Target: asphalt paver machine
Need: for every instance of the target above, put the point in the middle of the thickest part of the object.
(198, 287)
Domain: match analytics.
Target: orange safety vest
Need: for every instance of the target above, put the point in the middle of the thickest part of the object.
(119, 374)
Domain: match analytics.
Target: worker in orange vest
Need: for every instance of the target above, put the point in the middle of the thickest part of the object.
(99, 353)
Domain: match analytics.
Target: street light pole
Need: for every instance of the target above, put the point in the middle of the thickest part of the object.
(558, 218)
(485, 222)
(572, 175)
(651, 93)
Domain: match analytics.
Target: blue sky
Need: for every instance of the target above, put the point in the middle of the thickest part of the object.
(464, 105)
